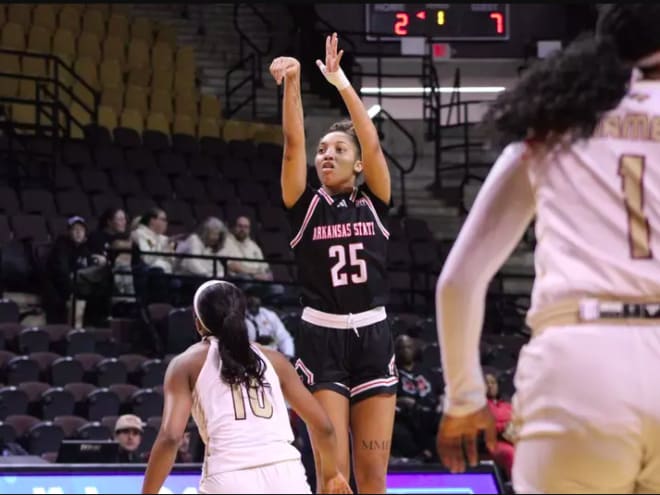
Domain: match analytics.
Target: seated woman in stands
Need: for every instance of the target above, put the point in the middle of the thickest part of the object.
(209, 240)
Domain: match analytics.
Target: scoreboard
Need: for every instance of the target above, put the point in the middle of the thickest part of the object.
(438, 21)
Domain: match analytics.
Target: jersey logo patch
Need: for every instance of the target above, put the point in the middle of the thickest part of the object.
(342, 204)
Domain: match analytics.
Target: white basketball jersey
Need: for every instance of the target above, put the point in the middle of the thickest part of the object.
(598, 208)
(240, 430)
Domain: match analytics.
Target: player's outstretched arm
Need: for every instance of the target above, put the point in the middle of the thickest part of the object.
(500, 214)
(176, 411)
(318, 423)
(376, 172)
(294, 160)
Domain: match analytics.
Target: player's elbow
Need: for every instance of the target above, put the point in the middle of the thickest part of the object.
(450, 287)
(170, 438)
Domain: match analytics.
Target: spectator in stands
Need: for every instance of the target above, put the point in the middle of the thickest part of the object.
(121, 268)
(112, 223)
(128, 433)
(152, 261)
(209, 240)
(72, 268)
(184, 454)
(265, 327)
(501, 410)
(240, 245)
(417, 405)
(150, 236)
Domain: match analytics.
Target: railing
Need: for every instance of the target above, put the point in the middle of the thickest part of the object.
(246, 40)
(419, 284)
(431, 99)
(403, 170)
(455, 98)
(47, 103)
(56, 68)
(250, 62)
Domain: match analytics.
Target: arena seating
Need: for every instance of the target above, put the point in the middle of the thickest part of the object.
(158, 142)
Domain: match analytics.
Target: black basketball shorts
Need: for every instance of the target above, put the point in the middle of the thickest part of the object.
(355, 362)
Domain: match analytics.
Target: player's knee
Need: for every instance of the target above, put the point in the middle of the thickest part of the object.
(371, 477)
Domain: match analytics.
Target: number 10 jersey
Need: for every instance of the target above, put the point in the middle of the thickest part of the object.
(340, 246)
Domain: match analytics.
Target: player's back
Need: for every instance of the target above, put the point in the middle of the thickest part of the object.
(598, 204)
(242, 428)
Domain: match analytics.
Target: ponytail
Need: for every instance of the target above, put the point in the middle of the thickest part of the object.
(240, 364)
(562, 96)
(220, 309)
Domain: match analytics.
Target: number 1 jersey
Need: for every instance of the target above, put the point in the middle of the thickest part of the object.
(598, 207)
(340, 246)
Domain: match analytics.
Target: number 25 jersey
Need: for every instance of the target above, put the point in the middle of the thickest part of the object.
(340, 246)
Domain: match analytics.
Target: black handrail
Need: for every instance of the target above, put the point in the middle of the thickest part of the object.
(244, 38)
(455, 98)
(254, 76)
(403, 171)
(462, 121)
(230, 110)
(431, 111)
(54, 65)
(412, 290)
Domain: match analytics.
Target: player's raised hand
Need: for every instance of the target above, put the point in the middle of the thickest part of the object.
(284, 67)
(458, 433)
(331, 69)
(336, 484)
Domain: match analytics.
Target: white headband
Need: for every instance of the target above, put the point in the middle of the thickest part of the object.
(198, 294)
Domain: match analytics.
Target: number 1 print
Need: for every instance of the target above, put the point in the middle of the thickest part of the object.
(631, 170)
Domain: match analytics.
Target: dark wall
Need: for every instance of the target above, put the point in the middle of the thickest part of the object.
(528, 23)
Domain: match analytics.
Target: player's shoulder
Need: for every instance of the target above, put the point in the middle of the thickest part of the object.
(191, 357)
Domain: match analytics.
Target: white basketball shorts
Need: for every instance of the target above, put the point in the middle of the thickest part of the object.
(280, 477)
(587, 408)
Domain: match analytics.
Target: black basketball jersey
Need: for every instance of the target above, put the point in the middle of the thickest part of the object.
(340, 246)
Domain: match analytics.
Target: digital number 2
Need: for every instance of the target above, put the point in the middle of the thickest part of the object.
(401, 24)
(340, 278)
(631, 170)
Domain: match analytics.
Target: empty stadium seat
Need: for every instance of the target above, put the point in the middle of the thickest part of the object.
(56, 401)
(69, 425)
(146, 403)
(118, 26)
(45, 16)
(43, 437)
(21, 369)
(13, 400)
(65, 370)
(33, 340)
(102, 402)
(69, 19)
(94, 430)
